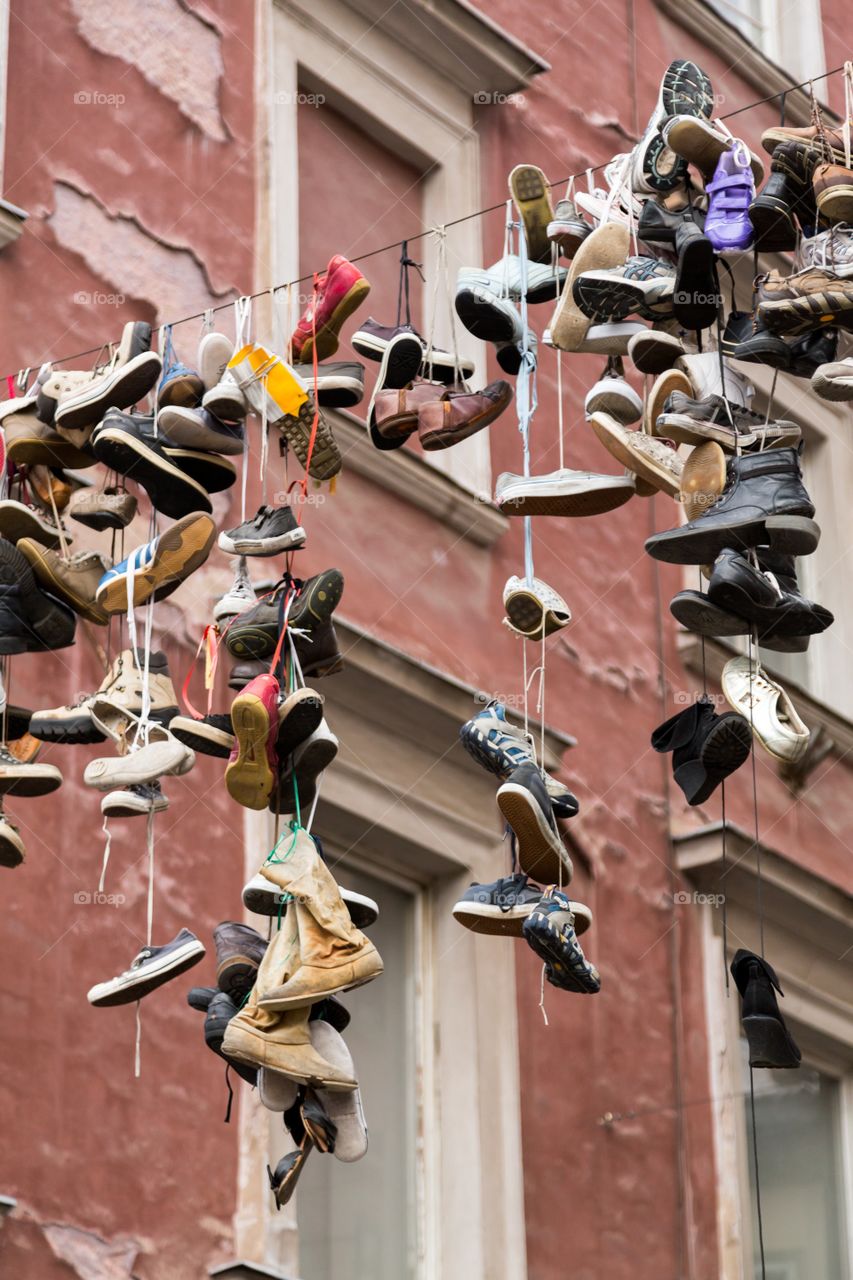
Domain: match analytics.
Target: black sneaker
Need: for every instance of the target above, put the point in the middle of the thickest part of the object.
(706, 748)
(125, 442)
(31, 621)
(550, 931)
(239, 951)
(200, 997)
(770, 1042)
(212, 735)
(150, 969)
(764, 503)
(696, 298)
(210, 471)
(526, 806)
(318, 651)
(332, 1011)
(811, 350)
(253, 635)
(269, 532)
(498, 908)
(746, 338)
(135, 801)
(688, 421)
(371, 340)
(219, 1011)
(339, 384)
(658, 225)
(400, 362)
(767, 597)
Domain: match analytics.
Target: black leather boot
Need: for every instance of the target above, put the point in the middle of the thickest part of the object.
(696, 299)
(706, 747)
(755, 344)
(787, 195)
(764, 503)
(770, 1042)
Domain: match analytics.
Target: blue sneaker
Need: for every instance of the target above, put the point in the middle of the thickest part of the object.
(158, 567)
(501, 747)
(550, 931)
(179, 385)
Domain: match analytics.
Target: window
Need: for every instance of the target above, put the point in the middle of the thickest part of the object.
(789, 34)
(804, 1199)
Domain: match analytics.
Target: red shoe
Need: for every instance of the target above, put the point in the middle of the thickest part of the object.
(339, 292)
(251, 772)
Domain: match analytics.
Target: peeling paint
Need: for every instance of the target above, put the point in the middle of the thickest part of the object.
(90, 1256)
(159, 49)
(131, 259)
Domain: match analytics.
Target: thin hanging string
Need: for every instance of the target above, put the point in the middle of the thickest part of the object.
(754, 674)
(724, 871)
(441, 287)
(107, 842)
(757, 1173)
(560, 427)
(525, 386)
(542, 997)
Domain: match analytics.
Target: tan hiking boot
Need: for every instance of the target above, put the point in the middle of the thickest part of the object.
(123, 685)
(74, 580)
(805, 301)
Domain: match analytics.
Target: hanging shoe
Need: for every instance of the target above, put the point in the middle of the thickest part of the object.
(608, 246)
(219, 1009)
(731, 192)
(20, 520)
(689, 421)
(135, 801)
(101, 509)
(499, 746)
(526, 807)
(239, 597)
(767, 707)
(161, 756)
(649, 459)
(341, 290)
(252, 769)
(159, 567)
(269, 532)
(211, 735)
(657, 224)
(31, 621)
(641, 286)
(151, 968)
(297, 780)
(685, 90)
(696, 298)
(764, 504)
(562, 493)
(501, 908)
(30, 442)
(460, 414)
(613, 395)
(533, 607)
(179, 384)
(74, 581)
(199, 429)
(79, 407)
(654, 350)
(703, 478)
(709, 376)
(263, 898)
(706, 748)
(395, 413)
(344, 1112)
(770, 1042)
(551, 930)
(126, 443)
(805, 301)
(12, 852)
(833, 189)
(239, 951)
(834, 381)
(26, 779)
(531, 194)
(706, 145)
(567, 229)
(122, 686)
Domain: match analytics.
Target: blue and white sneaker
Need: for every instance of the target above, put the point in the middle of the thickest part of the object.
(179, 385)
(550, 930)
(158, 567)
(501, 747)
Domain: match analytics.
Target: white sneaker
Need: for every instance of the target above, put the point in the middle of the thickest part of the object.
(214, 352)
(130, 802)
(533, 608)
(834, 381)
(239, 597)
(162, 755)
(263, 898)
(150, 969)
(612, 338)
(613, 395)
(562, 493)
(225, 400)
(767, 707)
(650, 459)
(11, 845)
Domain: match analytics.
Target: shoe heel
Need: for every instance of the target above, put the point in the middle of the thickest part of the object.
(792, 535)
(770, 1045)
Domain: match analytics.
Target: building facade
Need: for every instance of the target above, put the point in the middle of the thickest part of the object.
(170, 159)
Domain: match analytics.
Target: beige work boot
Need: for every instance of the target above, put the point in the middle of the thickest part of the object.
(335, 956)
(123, 684)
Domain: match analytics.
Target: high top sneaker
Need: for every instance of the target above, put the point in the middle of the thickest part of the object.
(764, 503)
(122, 685)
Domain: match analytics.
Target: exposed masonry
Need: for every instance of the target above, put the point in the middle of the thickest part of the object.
(131, 260)
(174, 49)
(90, 1256)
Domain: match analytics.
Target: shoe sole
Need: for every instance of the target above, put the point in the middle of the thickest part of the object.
(481, 318)
(444, 437)
(299, 715)
(36, 452)
(836, 204)
(317, 757)
(655, 356)
(201, 737)
(727, 746)
(212, 473)
(494, 921)
(774, 227)
(156, 975)
(703, 148)
(183, 392)
(45, 620)
(249, 778)
(132, 458)
(591, 502)
(703, 479)
(319, 602)
(567, 236)
(327, 336)
(236, 977)
(615, 404)
(698, 614)
(537, 854)
(401, 361)
(735, 599)
(763, 349)
(835, 389)
(131, 384)
(613, 300)
(618, 443)
(790, 535)
(180, 551)
(662, 388)
(532, 197)
(297, 429)
(685, 90)
(126, 810)
(548, 946)
(214, 352)
(696, 298)
(36, 780)
(276, 1004)
(770, 1044)
(57, 586)
(803, 315)
(227, 407)
(607, 247)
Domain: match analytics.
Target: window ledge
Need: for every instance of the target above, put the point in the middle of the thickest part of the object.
(815, 713)
(408, 477)
(724, 38)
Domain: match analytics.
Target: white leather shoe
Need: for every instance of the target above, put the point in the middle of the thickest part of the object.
(767, 707)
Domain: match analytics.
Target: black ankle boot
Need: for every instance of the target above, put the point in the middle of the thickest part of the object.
(757, 345)
(706, 747)
(770, 1042)
(786, 195)
(764, 503)
(811, 350)
(658, 225)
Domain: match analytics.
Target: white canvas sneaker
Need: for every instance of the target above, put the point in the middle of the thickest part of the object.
(767, 707)
(162, 755)
(534, 608)
(263, 898)
(703, 370)
(150, 969)
(614, 395)
(562, 493)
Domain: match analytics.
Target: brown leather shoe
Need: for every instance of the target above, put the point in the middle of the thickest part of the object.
(461, 414)
(32, 442)
(772, 138)
(833, 189)
(396, 412)
(102, 508)
(803, 302)
(44, 485)
(74, 581)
